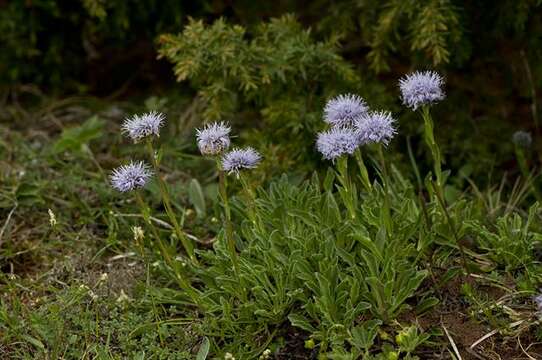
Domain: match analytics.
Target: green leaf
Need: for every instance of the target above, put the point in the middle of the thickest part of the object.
(328, 180)
(203, 349)
(330, 209)
(301, 322)
(196, 198)
(363, 335)
(426, 304)
(34, 341)
(29, 193)
(74, 139)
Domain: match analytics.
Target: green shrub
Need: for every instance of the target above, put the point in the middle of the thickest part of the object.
(274, 77)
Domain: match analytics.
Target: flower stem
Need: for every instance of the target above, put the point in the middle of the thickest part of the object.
(164, 251)
(524, 168)
(363, 171)
(251, 198)
(347, 190)
(439, 184)
(385, 181)
(453, 228)
(230, 241)
(432, 144)
(187, 244)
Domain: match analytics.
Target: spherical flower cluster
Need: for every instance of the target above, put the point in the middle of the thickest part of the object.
(522, 139)
(375, 127)
(538, 301)
(213, 139)
(336, 142)
(130, 177)
(421, 88)
(239, 159)
(343, 110)
(141, 126)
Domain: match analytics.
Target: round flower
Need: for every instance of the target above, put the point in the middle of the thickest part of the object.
(239, 159)
(140, 126)
(213, 139)
(336, 142)
(522, 139)
(130, 177)
(344, 109)
(375, 127)
(421, 88)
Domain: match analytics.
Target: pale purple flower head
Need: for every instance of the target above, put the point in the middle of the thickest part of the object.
(538, 300)
(344, 109)
(213, 138)
(130, 177)
(239, 159)
(140, 126)
(421, 88)
(375, 127)
(522, 139)
(336, 142)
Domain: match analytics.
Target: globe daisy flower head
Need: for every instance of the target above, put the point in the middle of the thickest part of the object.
(239, 159)
(421, 88)
(213, 138)
(522, 139)
(336, 142)
(141, 126)
(132, 176)
(375, 127)
(344, 109)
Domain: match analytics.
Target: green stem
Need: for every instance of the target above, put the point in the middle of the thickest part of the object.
(347, 190)
(187, 244)
(420, 184)
(363, 171)
(453, 228)
(432, 144)
(230, 241)
(524, 168)
(414, 166)
(438, 185)
(251, 198)
(163, 249)
(385, 181)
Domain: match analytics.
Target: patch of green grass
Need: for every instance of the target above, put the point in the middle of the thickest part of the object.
(72, 286)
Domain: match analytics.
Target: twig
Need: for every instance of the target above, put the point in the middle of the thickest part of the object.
(167, 226)
(456, 351)
(156, 220)
(523, 350)
(493, 332)
(122, 256)
(6, 223)
(486, 336)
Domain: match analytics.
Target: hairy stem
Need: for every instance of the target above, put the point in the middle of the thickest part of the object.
(187, 244)
(183, 284)
(230, 241)
(385, 184)
(251, 198)
(453, 228)
(524, 168)
(363, 171)
(347, 190)
(432, 144)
